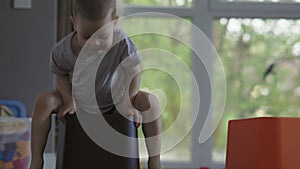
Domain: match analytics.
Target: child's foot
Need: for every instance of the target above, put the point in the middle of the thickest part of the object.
(154, 163)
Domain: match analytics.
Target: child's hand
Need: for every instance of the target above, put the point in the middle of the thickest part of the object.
(138, 118)
(68, 108)
(129, 110)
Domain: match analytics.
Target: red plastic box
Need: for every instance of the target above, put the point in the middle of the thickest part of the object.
(263, 143)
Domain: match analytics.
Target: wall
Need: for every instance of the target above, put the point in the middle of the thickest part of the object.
(26, 40)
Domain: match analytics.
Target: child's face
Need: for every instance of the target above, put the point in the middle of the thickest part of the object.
(86, 28)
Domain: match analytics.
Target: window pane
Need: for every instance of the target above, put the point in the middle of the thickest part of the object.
(283, 1)
(167, 3)
(261, 59)
(157, 79)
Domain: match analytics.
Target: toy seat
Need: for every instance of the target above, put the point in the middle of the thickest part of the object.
(263, 143)
(15, 106)
(77, 151)
(14, 136)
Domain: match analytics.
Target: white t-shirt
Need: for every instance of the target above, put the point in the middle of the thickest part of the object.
(123, 52)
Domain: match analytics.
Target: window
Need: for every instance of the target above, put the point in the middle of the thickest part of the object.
(248, 37)
(274, 1)
(163, 84)
(167, 3)
(261, 58)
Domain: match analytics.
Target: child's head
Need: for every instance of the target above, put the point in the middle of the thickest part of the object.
(91, 15)
(94, 9)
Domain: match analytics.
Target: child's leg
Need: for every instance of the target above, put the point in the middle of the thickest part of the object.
(45, 104)
(152, 125)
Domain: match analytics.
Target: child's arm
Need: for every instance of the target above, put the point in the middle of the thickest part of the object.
(149, 107)
(131, 90)
(64, 87)
(135, 83)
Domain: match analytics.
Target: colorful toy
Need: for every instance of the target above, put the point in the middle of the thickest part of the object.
(14, 143)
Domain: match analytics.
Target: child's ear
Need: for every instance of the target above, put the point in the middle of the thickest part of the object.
(74, 22)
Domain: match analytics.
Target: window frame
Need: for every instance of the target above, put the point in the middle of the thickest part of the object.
(202, 14)
(254, 9)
